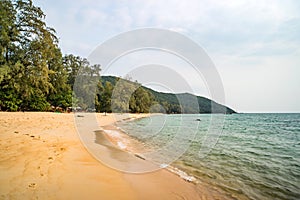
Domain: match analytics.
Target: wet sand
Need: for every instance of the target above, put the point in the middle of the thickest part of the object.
(42, 157)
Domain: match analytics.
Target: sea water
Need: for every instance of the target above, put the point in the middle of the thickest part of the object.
(256, 156)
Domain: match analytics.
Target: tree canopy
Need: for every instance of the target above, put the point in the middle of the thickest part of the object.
(31, 75)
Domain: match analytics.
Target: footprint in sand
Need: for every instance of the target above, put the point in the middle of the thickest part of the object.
(32, 185)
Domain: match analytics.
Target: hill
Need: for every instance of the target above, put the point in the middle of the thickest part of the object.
(175, 103)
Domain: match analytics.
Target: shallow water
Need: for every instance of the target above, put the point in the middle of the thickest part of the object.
(257, 156)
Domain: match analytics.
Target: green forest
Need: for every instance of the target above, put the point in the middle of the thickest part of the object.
(36, 76)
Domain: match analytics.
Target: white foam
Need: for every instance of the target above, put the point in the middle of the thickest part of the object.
(113, 133)
(182, 174)
(121, 145)
(163, 165)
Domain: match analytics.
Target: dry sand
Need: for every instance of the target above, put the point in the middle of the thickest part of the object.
(42, 157)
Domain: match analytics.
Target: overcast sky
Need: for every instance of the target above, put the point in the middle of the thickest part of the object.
(255, 45)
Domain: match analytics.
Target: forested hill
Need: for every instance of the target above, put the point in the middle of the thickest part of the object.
(171, 102)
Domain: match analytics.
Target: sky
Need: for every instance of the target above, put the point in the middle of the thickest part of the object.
(255, 45)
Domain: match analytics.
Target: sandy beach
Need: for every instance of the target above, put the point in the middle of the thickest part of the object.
(42, 157)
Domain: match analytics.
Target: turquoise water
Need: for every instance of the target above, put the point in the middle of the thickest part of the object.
(256, 157)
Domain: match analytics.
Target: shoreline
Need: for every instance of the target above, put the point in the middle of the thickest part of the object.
(118, 137)
(42, 157)
(125, 143)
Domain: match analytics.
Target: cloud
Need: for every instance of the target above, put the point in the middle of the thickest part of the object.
(216, 24)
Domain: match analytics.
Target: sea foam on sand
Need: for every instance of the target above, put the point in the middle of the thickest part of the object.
(117, 136)
(181, 174)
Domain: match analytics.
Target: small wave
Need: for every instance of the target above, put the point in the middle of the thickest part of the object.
(180, 173)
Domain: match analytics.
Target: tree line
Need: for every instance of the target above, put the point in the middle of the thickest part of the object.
(35, 76)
